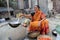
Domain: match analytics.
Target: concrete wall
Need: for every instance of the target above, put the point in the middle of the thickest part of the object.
(30, 4)
(21, 4)
(45, 5)
(56, 5)
(50, 5)
(34, 2)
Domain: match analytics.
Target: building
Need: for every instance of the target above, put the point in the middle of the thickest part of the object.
(56, 5)
(25, 4)
(45, 5)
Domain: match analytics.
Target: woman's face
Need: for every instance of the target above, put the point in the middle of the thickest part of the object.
(36, 8)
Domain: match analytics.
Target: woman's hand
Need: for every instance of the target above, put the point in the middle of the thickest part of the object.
(39, 23)
(21, 15)
(24, 25)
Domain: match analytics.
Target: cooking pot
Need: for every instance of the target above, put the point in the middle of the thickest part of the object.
(14, 24)
(54, 32)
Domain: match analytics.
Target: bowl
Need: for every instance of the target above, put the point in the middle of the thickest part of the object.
(54, 32)
(44, 37)
(33, 35)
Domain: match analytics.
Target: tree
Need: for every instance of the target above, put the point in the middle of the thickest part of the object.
(3, 3)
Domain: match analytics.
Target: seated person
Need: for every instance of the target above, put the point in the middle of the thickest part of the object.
(38, 21)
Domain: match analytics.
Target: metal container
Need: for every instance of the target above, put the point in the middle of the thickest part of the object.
(14, 24)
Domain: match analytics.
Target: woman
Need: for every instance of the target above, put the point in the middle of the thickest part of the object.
(38, 21)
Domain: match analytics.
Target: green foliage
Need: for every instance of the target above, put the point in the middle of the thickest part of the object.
(12, 3)
(3, 3)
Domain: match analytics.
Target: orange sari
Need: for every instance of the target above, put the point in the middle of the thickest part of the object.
(43, 28)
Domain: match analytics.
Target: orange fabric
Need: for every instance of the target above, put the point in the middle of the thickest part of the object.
(35, 20)
(38, 16)
(34, 26)
(44, 27)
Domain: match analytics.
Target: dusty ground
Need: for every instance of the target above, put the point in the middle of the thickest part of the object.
(52, 24)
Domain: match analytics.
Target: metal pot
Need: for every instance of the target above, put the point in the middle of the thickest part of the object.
(54, 32)
(14, 24)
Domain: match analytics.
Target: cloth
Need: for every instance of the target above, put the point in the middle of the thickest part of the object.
(43, 28)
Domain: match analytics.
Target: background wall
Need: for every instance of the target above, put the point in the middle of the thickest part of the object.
(21, 4)
(46, 5)
(43, 5)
